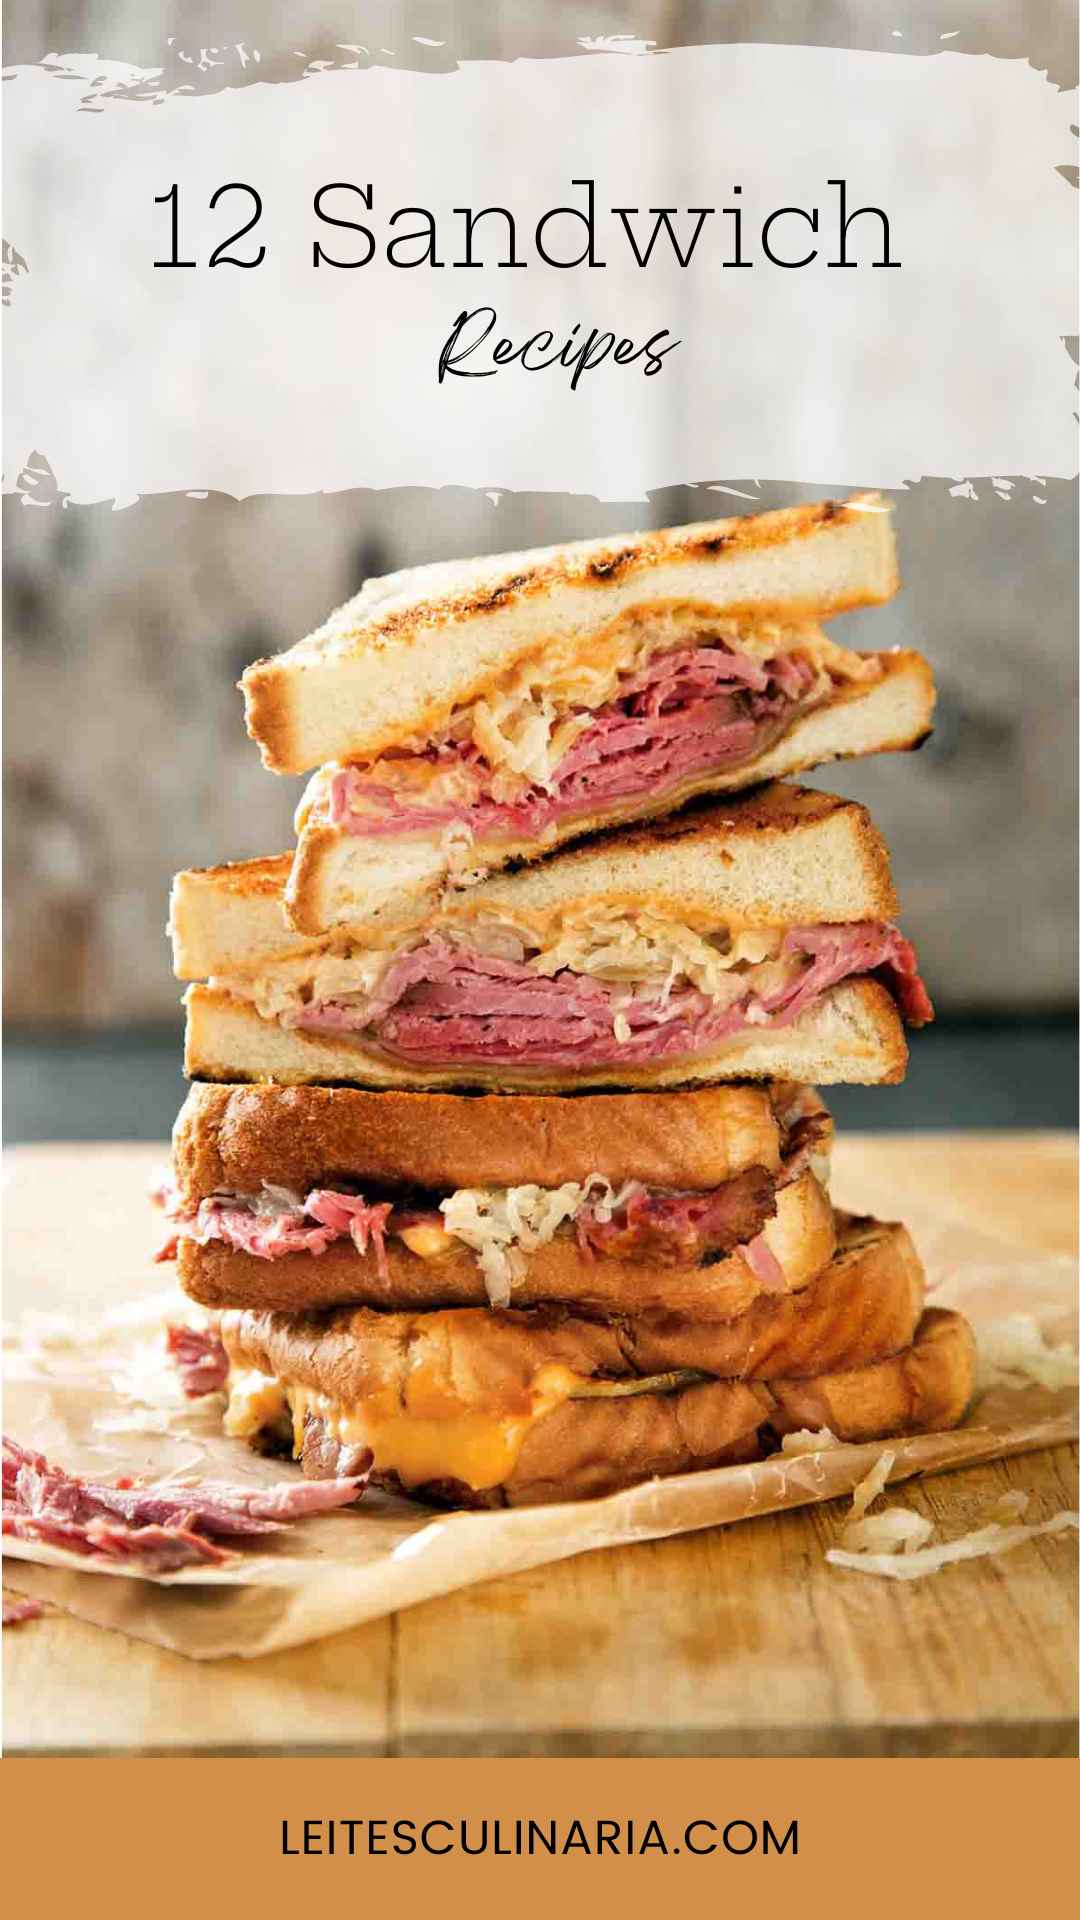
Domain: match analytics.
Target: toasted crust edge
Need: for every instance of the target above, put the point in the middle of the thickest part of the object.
(233, 1137)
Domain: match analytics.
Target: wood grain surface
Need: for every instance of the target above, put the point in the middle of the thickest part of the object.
(730, 1641)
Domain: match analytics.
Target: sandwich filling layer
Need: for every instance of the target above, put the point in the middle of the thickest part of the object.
(548, 749)
(502, 1226)
(602, 988)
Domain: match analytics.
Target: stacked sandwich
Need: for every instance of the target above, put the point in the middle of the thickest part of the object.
(503, 1172)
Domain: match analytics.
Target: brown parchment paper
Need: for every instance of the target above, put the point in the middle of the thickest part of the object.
(102, 1399)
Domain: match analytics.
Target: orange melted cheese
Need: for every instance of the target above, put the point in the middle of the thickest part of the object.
(434, 1436)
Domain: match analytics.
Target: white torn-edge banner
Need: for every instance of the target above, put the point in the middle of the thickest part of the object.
(131, 379)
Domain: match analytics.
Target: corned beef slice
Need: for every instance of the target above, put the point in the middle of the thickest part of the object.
(445, 1004)
(268, 1232)
(696, 708)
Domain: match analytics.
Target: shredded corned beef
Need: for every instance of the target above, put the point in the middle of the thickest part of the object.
(444, 1004)
(690, 710)
(675, 1228)
(161, 1527)
(199, 1357)
(18, 1611)
(268, 1232)
(650, 1223)
(152, 1549)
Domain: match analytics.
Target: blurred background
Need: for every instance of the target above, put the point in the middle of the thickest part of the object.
(125, 753)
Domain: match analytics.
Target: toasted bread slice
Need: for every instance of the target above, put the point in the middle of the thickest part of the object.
(501, 1413)
(392, 664)
(229, 919)
(853, 1034)
(590, 1447)
(235, 1139)
(781, 856)
(349, 883)
(924, 1389)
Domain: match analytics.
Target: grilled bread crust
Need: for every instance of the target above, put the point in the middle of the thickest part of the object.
(801, 1235)
(340, 881)
(923, 1389)
(586, 1448)
(232, 1139)
(394, 661)
(854, 1034)
(229, 919)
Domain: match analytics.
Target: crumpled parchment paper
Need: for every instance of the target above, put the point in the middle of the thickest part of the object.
(101, 1398)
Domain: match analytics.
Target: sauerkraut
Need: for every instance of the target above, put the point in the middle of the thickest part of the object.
(994, 1538)
(645, 952)
(503, 1224)
(1015, 1351)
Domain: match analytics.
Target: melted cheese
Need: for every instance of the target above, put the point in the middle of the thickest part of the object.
(256, 1401)
(427, 1242)
(434, 1436)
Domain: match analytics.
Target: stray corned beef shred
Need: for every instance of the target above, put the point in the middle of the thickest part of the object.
(764, 1265)
(442, 1004)
(689, 711)
(17, 1610)
(199, 1357)
(158, 1528)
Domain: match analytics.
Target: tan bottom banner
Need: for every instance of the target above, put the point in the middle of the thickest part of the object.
(838, 1838)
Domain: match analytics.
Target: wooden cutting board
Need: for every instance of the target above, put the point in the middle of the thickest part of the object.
(731, 1641)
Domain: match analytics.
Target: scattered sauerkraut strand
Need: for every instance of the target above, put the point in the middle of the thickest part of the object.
(806, 1440)
(895, 1543)
(1014, 1350)
(994, 1538)
(864, 1495)
(896, 1529)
